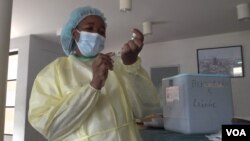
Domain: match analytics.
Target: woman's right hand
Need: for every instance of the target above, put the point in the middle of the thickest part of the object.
(100, 67)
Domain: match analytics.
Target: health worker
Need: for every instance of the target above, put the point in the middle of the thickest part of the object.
(88, 95)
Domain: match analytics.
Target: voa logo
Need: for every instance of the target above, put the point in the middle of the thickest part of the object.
(236, 132)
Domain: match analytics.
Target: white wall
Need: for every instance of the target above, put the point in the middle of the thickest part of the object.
(183, 53)
(33, 54)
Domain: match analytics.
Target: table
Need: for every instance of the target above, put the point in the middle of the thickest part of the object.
(158, 134)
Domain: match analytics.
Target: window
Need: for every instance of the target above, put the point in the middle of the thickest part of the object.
(10, 96)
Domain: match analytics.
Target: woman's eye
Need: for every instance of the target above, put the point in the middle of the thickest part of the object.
(88, 29)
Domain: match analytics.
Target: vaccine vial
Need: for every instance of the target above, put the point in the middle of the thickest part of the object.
(133, 36)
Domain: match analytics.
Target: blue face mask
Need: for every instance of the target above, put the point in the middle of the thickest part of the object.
(90, 44)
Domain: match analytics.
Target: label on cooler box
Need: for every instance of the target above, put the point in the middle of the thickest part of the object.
(172, 94)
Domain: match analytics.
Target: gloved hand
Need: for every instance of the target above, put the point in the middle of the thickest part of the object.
(132, 48)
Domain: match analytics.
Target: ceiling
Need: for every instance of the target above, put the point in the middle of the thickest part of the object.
(182, 18)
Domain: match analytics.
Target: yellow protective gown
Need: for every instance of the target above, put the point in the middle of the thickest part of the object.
(64, 107)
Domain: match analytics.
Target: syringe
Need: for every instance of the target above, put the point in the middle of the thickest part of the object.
(118, 53)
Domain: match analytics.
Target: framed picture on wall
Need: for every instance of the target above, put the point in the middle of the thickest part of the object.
(221, 60)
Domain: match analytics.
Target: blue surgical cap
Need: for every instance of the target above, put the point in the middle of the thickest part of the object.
(75, 18)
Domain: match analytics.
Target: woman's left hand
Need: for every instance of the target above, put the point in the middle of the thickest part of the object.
(132, 48)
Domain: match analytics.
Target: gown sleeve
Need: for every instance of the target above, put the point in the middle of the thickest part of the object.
(56, 114)
(141, 92)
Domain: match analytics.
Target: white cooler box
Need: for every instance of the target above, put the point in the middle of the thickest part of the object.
(197, 103)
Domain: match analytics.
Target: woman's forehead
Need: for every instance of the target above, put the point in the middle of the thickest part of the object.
(92, 19)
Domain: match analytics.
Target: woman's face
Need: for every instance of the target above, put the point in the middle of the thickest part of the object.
(93, 24)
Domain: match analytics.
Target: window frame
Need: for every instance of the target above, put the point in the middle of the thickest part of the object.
(8, 80)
